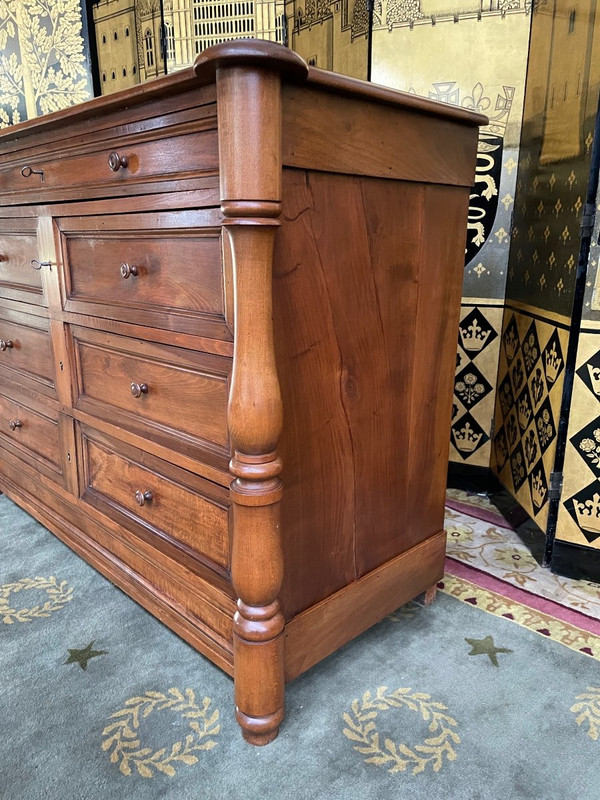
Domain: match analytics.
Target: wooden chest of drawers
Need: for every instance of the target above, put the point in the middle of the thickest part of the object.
(228, 313)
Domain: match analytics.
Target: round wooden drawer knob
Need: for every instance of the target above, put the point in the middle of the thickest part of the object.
(115, 162)
(14, 424)
(5, 344)
(138, 389)
(141, 498)
(128, 269)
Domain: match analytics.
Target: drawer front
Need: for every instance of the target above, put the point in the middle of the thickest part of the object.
(34, 436)
(26, 352)
(155, 504)
(134, 162)
(153, 389)
(160, 269)
(18, 248)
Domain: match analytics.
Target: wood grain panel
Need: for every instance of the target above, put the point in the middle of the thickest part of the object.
(18, 246)
(345, 311)
(432, 380)
(170, 511)
(35, 433)
(31, 355)
(357, 137)
(322, 629)
(191, 153)
(186, 395)
(175, 275)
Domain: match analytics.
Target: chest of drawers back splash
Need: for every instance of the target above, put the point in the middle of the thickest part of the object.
(270, 494)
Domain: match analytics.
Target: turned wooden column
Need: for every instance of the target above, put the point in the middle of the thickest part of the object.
(249, 125)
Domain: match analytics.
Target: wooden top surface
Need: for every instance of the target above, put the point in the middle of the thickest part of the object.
(241, 52)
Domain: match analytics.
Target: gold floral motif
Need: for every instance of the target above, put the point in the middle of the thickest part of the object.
(122, 735)
(460, 532)
(59, 593)
(396, 757)
(588, 710)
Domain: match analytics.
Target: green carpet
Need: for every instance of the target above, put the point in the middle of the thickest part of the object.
(100, 700)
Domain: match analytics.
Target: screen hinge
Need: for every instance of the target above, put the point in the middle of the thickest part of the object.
(587, 219)
(556, 484)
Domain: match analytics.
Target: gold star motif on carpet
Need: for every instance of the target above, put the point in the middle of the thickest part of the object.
(82, 657)
(486, 647)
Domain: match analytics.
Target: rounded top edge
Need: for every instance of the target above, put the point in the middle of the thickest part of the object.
(250, 53)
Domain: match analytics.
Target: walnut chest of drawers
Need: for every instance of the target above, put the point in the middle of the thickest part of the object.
(228, 311)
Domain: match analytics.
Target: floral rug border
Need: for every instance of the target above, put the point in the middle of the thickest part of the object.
(536, 621)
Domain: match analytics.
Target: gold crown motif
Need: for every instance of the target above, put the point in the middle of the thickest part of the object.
(466, 439)
(553, 362)
(538, 490)
(473, 337)
(511, 343)
(524, 413)
(595, 378)
(588, 514)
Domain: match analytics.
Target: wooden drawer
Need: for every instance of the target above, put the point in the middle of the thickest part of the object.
(34, 436)
(26, 354)
(18, 248)
(161, 269)
(174, 396)
(160, 158)
(166, 505)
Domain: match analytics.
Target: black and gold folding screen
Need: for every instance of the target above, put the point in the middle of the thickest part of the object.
(44, 59)
(561, 101)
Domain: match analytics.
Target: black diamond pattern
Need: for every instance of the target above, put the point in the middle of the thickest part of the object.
(587, 444)
(590, 374)
(530, 348)
(510, 339)
(524, 409)
(470, 386)
(506, 397)
(501, 448)
(468, 435)
(517, 467)
(538, 487)
(517, 374)
(544, 425)
(537, 385)
(475, 333)
(553, 360)
(584, 507)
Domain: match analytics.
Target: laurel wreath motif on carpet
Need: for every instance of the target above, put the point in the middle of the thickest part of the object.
(588, 710)
(362, 729)
(123, 737)
(59, 594)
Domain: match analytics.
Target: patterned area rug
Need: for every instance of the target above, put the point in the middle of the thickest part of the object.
(479, 536)
(469, 698)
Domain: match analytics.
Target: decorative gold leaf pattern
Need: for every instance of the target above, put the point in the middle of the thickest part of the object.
(122, 735)
(397, 757)
(59, 594)
(588, 710)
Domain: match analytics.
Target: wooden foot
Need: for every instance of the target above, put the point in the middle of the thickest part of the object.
(259, 730)
(430, 594)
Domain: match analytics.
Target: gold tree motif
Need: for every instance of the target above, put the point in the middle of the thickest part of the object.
(42, 62)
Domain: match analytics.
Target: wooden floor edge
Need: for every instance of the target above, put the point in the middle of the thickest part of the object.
(134, 585)
(316, 633)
